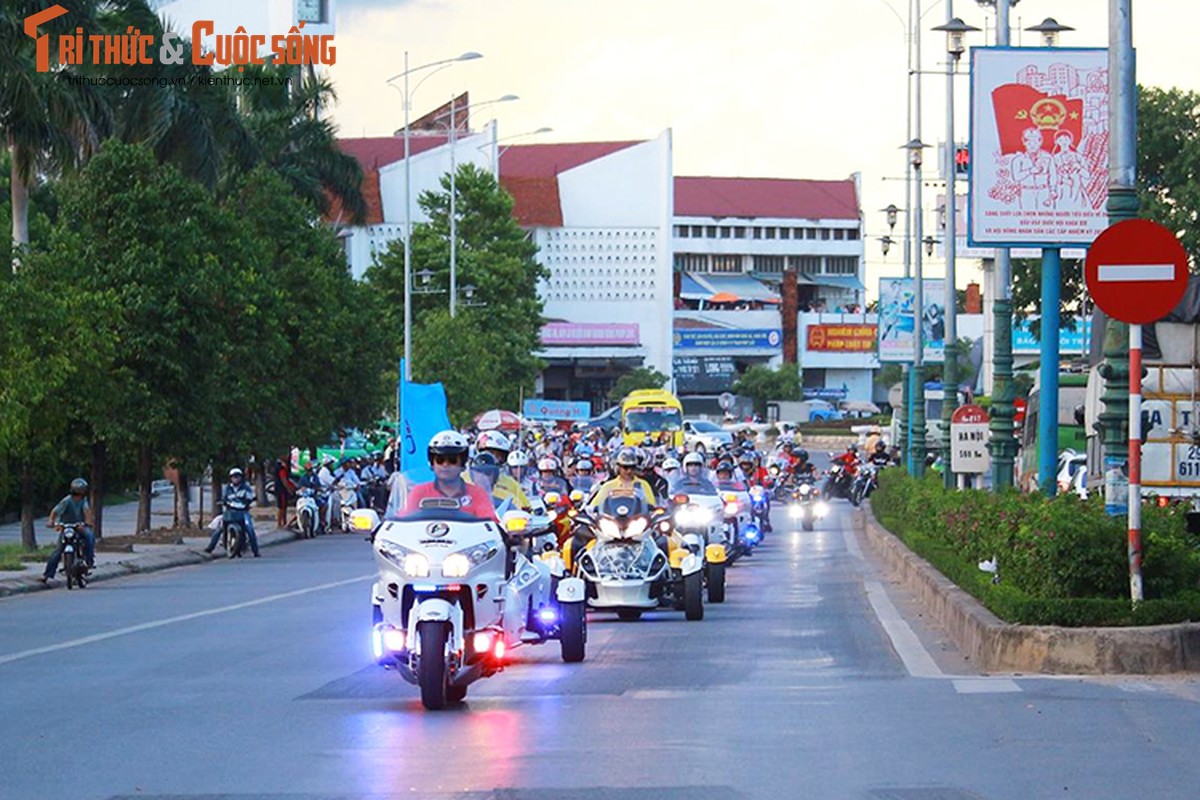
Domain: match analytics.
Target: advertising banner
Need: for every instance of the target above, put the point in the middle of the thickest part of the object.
(704, 374)
(589, 334)
(1069, 341)
(897, 297)
(727, 338)
(842, 338)
(1039, 146)
(536, 408)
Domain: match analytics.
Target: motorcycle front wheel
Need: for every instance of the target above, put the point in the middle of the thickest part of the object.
(69, 568)
(716, 583)
(693, 598)
(431, 671)
(574, 632)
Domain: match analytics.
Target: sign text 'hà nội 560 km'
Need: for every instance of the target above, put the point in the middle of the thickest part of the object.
(968, 440)
(1039, 146)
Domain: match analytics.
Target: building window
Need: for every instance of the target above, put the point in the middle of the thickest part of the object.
(697, 231)
(769, 263)
(825, 234)
(785, 233)
(810, 233)
(726, 263)
(726, 231)
(691, 262)
(681, 231)
(852, 234)
(839, 234)
(757, 232)
(711, 231)
(841, 265)
(768, 233)
(739, 232)
(805, 264)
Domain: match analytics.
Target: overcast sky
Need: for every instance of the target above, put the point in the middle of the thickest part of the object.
(792, 89)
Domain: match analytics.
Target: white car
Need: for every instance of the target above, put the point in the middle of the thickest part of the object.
(700, 434)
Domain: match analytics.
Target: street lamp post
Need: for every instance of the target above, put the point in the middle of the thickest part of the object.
(407, 376)
(956, 31)
(916, 380)
(891, 213)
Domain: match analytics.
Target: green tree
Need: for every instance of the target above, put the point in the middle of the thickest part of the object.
(500, 327)
(49, 123)
(761, 383)
(640, 378)
(154, 243)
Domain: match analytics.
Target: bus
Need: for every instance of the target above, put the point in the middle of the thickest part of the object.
(651, 417)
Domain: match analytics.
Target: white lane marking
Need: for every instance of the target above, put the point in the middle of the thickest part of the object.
(916, 658)
(985, 686)
(146, 626)
(1135, 272)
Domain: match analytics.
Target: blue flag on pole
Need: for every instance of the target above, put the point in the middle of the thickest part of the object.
(422, 414)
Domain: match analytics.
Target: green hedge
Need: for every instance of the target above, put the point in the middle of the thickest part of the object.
(1061, 561)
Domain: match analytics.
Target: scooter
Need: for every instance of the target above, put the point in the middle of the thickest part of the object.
(233, 531)
(631, 566)
(346, 499)
(308, 513)
(453, 597)
(864, 483)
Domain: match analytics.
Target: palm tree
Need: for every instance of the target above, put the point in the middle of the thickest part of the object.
(50, 123)
(292, 136)
(187, 120)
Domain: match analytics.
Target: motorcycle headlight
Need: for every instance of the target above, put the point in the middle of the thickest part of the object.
(609, 528)
(805, 488)
(416, 565)
(393, 552)
(821, 509)
(635, 527)
(456, 565)
(731, 509)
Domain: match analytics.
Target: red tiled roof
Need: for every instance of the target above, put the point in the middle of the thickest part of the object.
(374, 152)
(529, 172)
(547, 160)
(765, 197)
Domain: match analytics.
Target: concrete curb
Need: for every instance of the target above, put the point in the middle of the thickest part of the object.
(997, 646)
(137, 564)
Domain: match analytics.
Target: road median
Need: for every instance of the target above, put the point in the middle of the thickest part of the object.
(994, 645)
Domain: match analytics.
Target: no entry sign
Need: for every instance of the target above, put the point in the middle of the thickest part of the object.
(1136, 271)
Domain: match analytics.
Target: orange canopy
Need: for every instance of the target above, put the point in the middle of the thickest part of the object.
(724, 297)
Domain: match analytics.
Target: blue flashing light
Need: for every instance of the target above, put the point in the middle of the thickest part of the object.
(547, 614)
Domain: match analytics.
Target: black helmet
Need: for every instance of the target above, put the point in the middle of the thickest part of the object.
(725, 466)
(79, 486)
(802, 454)
(880, 446)
(853, 448)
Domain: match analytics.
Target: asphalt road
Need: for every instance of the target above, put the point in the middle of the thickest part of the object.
(252, 679)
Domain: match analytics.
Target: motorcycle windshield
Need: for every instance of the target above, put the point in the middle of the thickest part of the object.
(623, 506)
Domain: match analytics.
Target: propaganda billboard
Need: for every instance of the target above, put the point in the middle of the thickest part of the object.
(897, 303)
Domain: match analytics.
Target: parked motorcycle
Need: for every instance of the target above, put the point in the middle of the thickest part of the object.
(73, 543)
(453, 597)
(631, 565)
(346, 503)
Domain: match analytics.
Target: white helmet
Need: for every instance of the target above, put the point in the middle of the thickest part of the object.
(448, 443)
(517, 458)
(693, 458)
(547, 464)
(670, 464)
(493, 440)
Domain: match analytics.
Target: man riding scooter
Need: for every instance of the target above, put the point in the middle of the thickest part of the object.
(237, 494)
(73, 508)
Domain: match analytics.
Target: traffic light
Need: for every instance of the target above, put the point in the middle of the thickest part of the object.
(962, 160)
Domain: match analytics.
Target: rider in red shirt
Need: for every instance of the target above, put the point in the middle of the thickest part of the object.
(849, 459)
(448, 457)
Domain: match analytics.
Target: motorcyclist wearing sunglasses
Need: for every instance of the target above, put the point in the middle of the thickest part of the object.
(448, 456)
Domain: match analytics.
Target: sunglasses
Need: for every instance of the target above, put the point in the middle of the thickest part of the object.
(441, 459)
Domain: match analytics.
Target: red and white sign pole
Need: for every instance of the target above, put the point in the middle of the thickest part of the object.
(1136, 272)
(1135, 462)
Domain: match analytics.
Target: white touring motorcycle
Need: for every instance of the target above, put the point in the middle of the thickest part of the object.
(452, 597)
(632, 565)
(702, 514)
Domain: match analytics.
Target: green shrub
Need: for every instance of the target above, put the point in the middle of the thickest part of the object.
(1061, 561)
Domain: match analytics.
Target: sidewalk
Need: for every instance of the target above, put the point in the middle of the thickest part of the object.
(120, 521)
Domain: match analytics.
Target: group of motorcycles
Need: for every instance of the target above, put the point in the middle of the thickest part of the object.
(456, 593)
